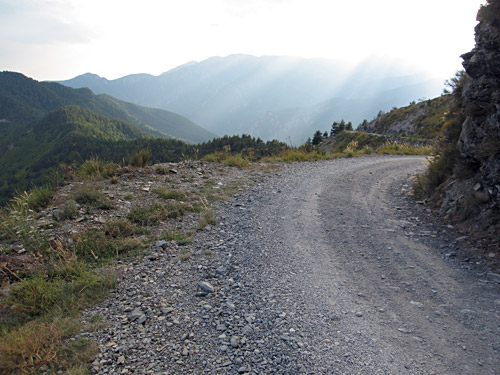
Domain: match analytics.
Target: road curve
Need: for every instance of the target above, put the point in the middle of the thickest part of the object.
(319, 268)
(397, 306)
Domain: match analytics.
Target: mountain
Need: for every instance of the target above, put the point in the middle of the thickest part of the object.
(269, 97)
(32, 152)
(424, 119)
(23, 100)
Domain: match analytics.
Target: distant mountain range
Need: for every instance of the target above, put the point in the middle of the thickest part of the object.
(269, 97)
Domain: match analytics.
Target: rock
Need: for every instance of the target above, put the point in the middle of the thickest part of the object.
(135, 314)
(161, 244)
(494, 276)
(221, 270)
(206, 287)
(235, 341)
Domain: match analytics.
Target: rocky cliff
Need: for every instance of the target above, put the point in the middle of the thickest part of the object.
(479, 140)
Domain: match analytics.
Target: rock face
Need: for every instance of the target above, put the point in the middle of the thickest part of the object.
(480, 138)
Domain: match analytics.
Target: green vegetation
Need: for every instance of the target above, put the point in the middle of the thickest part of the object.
(156, 212)
(178, 195)
(96, 169)
(355, 143)
(207, 217)
(447, 160)
(92, 196)
(426, 119)
(179, 238)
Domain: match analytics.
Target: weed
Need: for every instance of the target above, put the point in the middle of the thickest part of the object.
(140, 159)
(236, 161)
(96, 169)
(18, 224)
(184, 255)
(298, 155)
(208, 252)
(155, 213)
(90, 195)
(27, 348)
(179, 238)
(68, 210)
(215, 157)
(177, 195)
(94, 246)
(119, 228)
(95, 323)
(207, 217)
(39, 197)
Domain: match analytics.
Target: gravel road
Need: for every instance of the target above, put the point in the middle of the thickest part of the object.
(320, 268)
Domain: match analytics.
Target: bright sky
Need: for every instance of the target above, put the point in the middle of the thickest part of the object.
(59, 39)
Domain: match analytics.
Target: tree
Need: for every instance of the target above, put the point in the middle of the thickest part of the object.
(318, 137)
(349, 126)
(325, 135)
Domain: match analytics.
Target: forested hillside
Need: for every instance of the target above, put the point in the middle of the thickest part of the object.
(23, 100)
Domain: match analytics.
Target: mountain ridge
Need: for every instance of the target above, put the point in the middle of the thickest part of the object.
(231, 95)
(24, 99)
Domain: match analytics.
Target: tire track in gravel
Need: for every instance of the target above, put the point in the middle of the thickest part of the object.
(369, 297)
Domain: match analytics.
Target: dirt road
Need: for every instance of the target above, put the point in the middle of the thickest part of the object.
(322, 268)
(399, 306)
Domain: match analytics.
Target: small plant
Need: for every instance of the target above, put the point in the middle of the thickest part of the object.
(90, 195)
(207, 218)
(118, 228)
(177, 195)
(39, 198)
(96, 169)
(29, 347)
(236, 161)
(179, 238)
(153, 214)
(68, 210)
(184, 255)
(94, 246)
(140, 159)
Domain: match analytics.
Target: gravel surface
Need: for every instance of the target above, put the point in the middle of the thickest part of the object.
(321, 268)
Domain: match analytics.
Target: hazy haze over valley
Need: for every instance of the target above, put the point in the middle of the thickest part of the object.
(270, 97)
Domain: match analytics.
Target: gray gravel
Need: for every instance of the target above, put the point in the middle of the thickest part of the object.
(322, 268)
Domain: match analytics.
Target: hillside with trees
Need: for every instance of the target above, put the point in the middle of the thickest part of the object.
(24, 100)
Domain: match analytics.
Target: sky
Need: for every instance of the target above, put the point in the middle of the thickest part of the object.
(60, 39)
